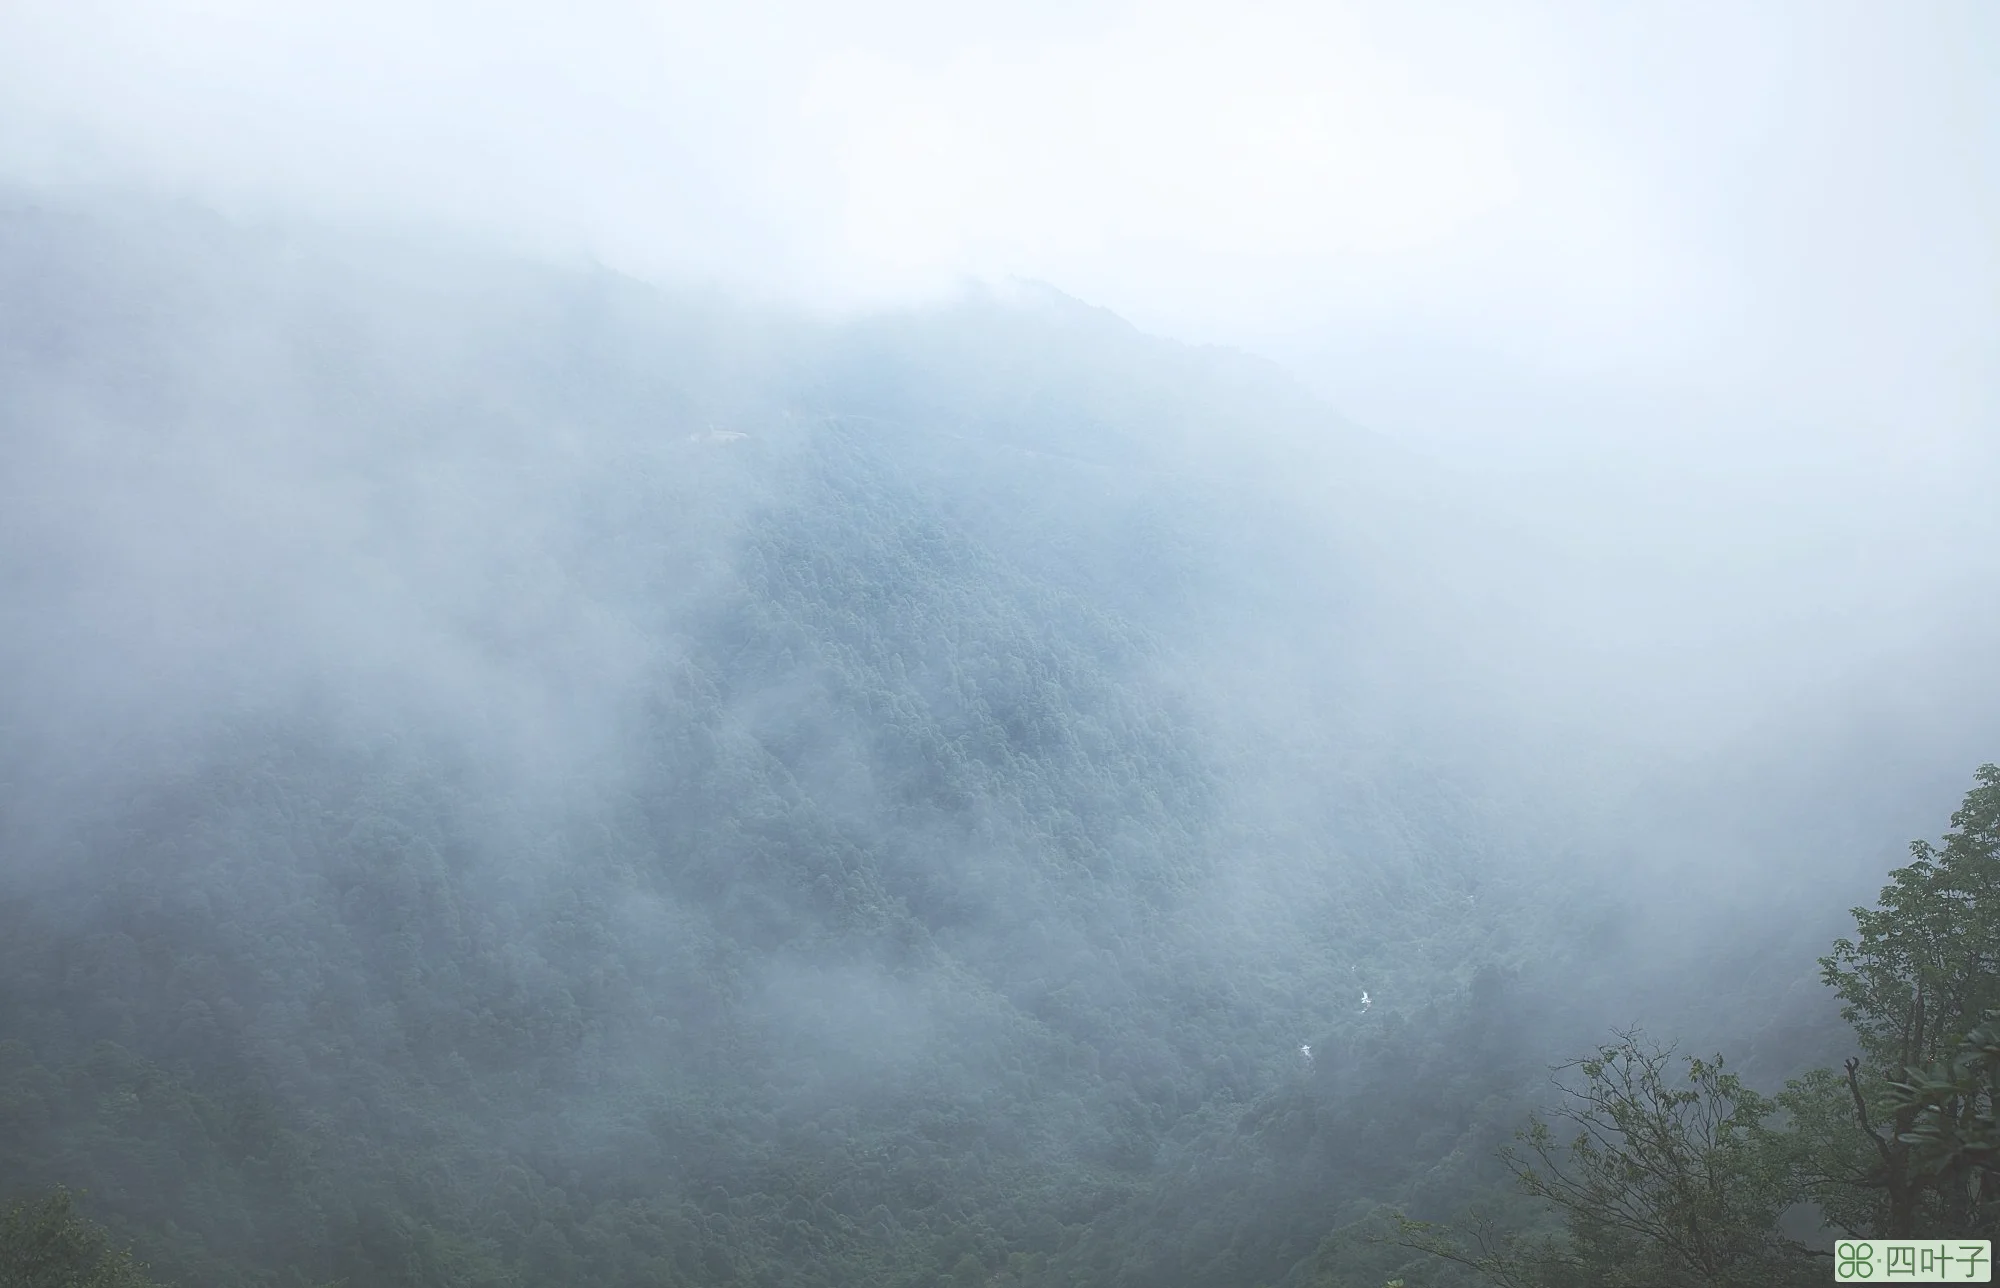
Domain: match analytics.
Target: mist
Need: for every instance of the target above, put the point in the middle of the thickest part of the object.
(795, 646)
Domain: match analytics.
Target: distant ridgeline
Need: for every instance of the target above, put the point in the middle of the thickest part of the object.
(510, 776)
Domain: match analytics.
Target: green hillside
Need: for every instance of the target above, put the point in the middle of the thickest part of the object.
(510, 776)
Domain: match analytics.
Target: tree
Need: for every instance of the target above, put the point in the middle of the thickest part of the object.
(1921, 971)
(1683, 1184)
(45, 1243)
(1665, 1182)
(1955, 1105)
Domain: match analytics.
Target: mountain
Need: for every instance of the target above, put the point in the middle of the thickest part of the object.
(515, 775)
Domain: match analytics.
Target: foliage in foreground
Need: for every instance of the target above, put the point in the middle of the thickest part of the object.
(1666, 1182)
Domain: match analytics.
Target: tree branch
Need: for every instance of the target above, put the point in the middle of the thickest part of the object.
(1861, 1110)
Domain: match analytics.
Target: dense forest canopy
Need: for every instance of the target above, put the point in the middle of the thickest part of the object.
(511, 775)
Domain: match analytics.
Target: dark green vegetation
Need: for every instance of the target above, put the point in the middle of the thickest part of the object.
(1670, 1178)
(512, 778)
(45, 1244)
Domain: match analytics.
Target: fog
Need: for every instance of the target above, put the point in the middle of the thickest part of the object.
(1708, 265)
(854, 624)
(1690, 196)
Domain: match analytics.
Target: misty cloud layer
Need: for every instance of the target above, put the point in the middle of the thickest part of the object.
(652, 644)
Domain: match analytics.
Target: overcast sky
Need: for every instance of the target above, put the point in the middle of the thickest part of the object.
(1721, 281)
(1795, 198)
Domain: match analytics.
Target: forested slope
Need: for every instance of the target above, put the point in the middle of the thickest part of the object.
(511, 776)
